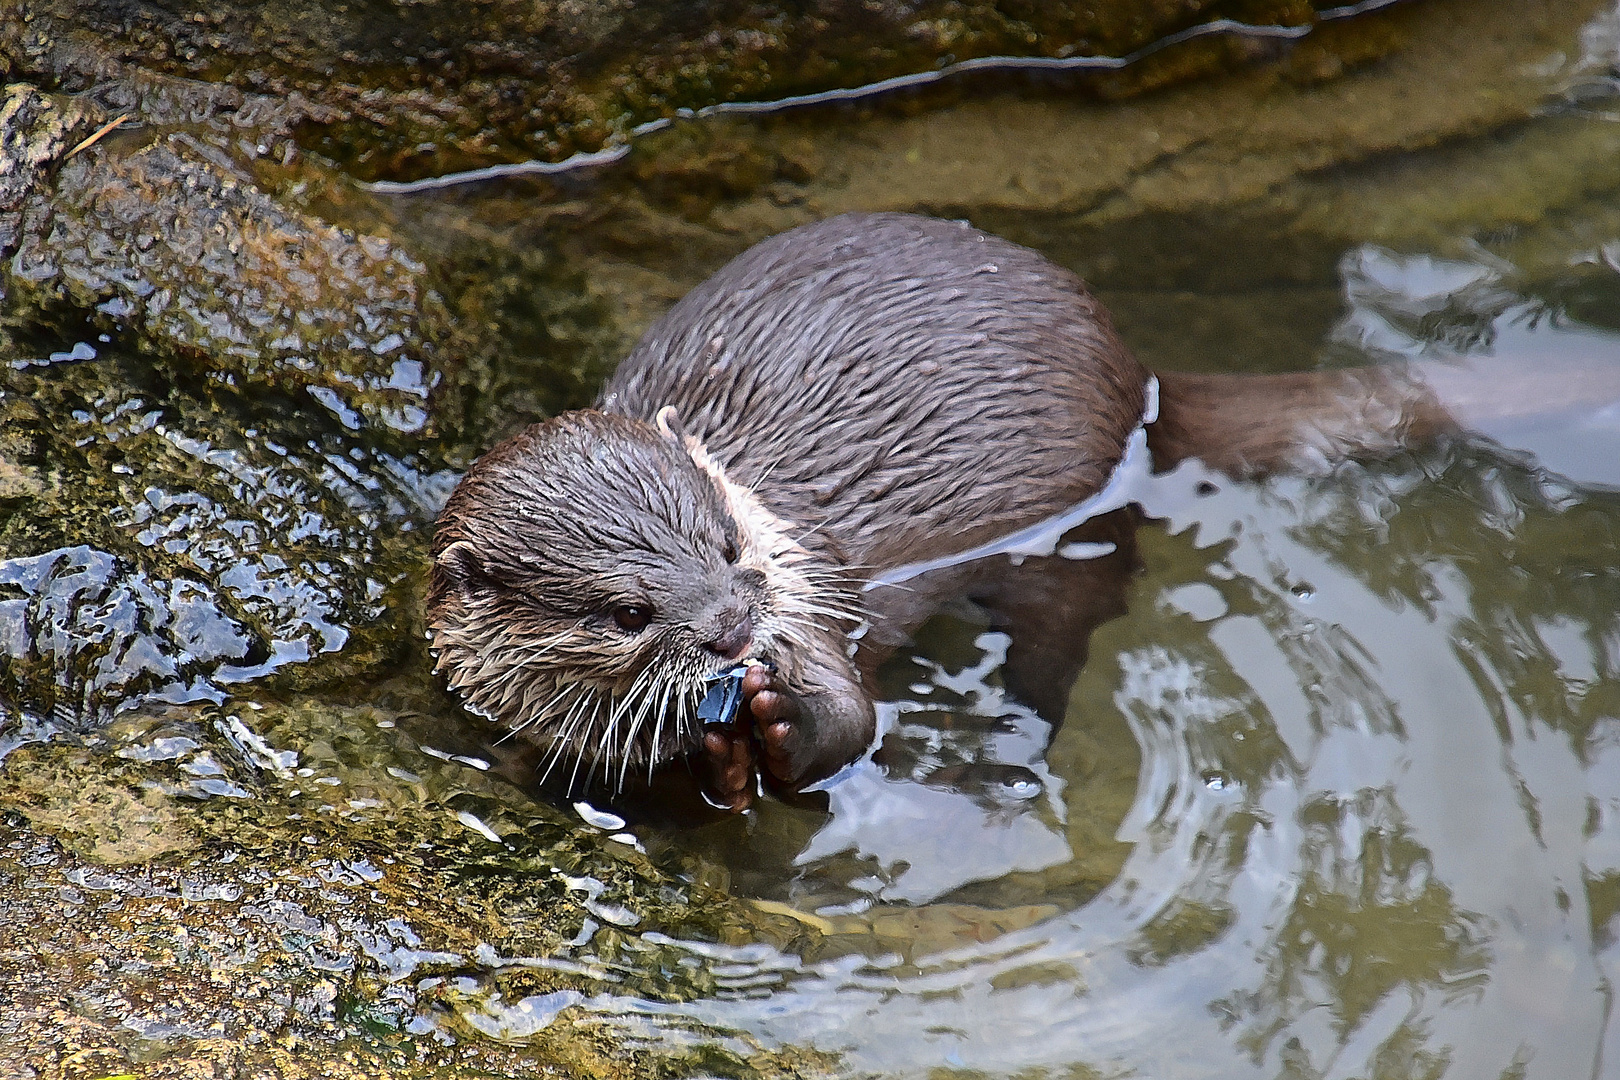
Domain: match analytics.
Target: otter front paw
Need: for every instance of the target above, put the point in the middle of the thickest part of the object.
(750, 728)
(776, 714)
(788, 739)
(728, 751)
(776, 724)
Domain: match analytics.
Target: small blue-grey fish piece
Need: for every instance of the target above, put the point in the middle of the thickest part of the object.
(724, 697)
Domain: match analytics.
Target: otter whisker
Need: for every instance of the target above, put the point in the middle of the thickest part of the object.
(599, 751)
(539, 649)
(813, 581)
(553, 756)
(637, 690)
(655, 706)
(543, 711)
(822, 605)
(671, 688)
(823, 595)
(638, 694)
(691, 689)
(647, 702)
(832, 592)
(658, 739)
(587, 724)
(838, 578)
(635, 697)
(811, 530)
(879, 583)
(579, 759)
(563, 736)
(765, 473)
(824, 610)
(658, 726)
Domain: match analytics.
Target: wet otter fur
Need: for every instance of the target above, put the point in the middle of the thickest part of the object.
(853, 396)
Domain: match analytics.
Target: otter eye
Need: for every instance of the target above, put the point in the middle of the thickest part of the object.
(632, 617)
(730, 550)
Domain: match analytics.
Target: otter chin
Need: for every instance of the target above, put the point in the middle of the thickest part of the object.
(870, 392)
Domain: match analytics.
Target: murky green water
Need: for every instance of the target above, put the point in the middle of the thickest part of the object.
(1335, 795)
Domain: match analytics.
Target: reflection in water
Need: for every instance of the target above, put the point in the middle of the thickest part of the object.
(1368, 925)
(949, 769)
(1535, 380)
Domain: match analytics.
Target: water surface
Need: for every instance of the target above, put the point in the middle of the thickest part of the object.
(1335, 796)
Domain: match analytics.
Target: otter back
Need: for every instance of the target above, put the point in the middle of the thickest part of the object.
(908, 385)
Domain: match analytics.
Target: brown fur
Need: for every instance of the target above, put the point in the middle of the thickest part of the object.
(1248, 425)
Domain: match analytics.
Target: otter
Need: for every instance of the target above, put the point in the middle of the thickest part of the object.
(868, 393)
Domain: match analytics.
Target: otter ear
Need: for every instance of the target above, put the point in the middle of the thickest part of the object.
(668, 422)
(461, 566)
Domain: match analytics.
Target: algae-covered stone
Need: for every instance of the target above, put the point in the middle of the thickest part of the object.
(199, 383)
(185, 541)
(437, 84)
(278, 889)
(112, 823)
(174, 245)
(34, 132)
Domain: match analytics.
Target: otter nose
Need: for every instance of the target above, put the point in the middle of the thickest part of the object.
(731, 632)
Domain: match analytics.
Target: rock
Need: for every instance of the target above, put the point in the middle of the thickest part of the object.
(202, 380)
(448, 85)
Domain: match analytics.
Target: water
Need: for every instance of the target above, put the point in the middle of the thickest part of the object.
(1335, 792)
(1335, 795)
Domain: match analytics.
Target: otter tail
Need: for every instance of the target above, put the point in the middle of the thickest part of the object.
(1249, 425)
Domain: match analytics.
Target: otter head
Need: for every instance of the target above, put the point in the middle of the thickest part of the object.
(592, 571)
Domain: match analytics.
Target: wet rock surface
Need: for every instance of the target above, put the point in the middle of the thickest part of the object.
(431, 86)
(168, 243)
(189, 370)
(182, 892)
(167, 544)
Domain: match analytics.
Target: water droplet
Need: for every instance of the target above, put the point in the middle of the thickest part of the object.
(1023, 788)
(599, 818)
(477, 825)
